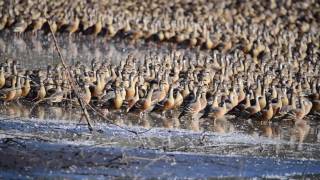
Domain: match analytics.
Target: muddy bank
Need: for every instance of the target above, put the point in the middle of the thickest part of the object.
(34, 159)
(64, 149)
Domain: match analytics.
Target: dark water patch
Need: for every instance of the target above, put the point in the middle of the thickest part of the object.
(76, 162)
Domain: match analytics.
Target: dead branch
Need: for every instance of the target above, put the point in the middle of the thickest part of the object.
(73, 83)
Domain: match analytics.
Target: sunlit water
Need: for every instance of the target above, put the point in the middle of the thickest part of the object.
(266, 150)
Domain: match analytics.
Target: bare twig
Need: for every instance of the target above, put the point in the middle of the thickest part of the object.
(73, 83)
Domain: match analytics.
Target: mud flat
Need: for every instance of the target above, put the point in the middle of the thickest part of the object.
(35, 148)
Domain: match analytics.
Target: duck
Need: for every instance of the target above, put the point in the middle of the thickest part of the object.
(216, 112)
(262, 99)
(159, 94)
(18, 89)
(277, 105)
(144, 104)
(129, 103)
(178, 100)
(98, 90)
(166, 104)
(84, 95)
(26, 86)
(192, 109)
(253, 109)
(130, 91)
(118, 100)
(37, 24)
(2, 77)
(20, 26)
(267, 113)
(41, 92)
(73, 26)
(57, 96)
(10, 93)
(297, 113)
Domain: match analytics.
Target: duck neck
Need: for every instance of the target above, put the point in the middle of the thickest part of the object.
(215, 102)
(14, 81)
(14, 68)
(257, 102)
(18, 82)
(198, 98)
(302, 104)
(137, 93)
(171, 94)
(149, 96)
(118, 94)
(87, 89)
(293, 102)
(248, 100)
(59, 88)
(203, 97)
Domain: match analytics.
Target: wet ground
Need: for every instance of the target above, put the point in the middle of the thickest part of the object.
(65, 148)
(45, 141)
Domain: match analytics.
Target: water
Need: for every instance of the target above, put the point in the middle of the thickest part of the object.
(40, 50)
(44, 141)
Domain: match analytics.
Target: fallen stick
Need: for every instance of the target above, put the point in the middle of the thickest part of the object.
(72, 83)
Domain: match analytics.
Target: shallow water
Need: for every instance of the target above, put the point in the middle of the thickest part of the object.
(43, 140)
(39, 50)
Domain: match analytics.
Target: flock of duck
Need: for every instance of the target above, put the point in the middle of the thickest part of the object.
(211, 24)
(262, 60)
(205, 86)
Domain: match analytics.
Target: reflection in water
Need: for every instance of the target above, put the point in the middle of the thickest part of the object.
(270, 131)
(297, 133)
(267, 131)
(193, 124)
(40, 50)
(222, 126)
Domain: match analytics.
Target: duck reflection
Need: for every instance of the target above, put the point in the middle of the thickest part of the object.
(38, 112)
(299, 132)
(119, 121)
(194, 125)
(36, 45)
(270, 130)
(144, 122)
(55, 112)
(222, 125)
(30, 50)
(163, 121)
(12, 110)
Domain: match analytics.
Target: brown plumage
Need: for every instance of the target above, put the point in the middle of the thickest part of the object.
(192, 109)
(143, 104)
(128, 104)
(216, 112)
(2, 77)
(166, 104)
(267, 114)
(10, 93)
